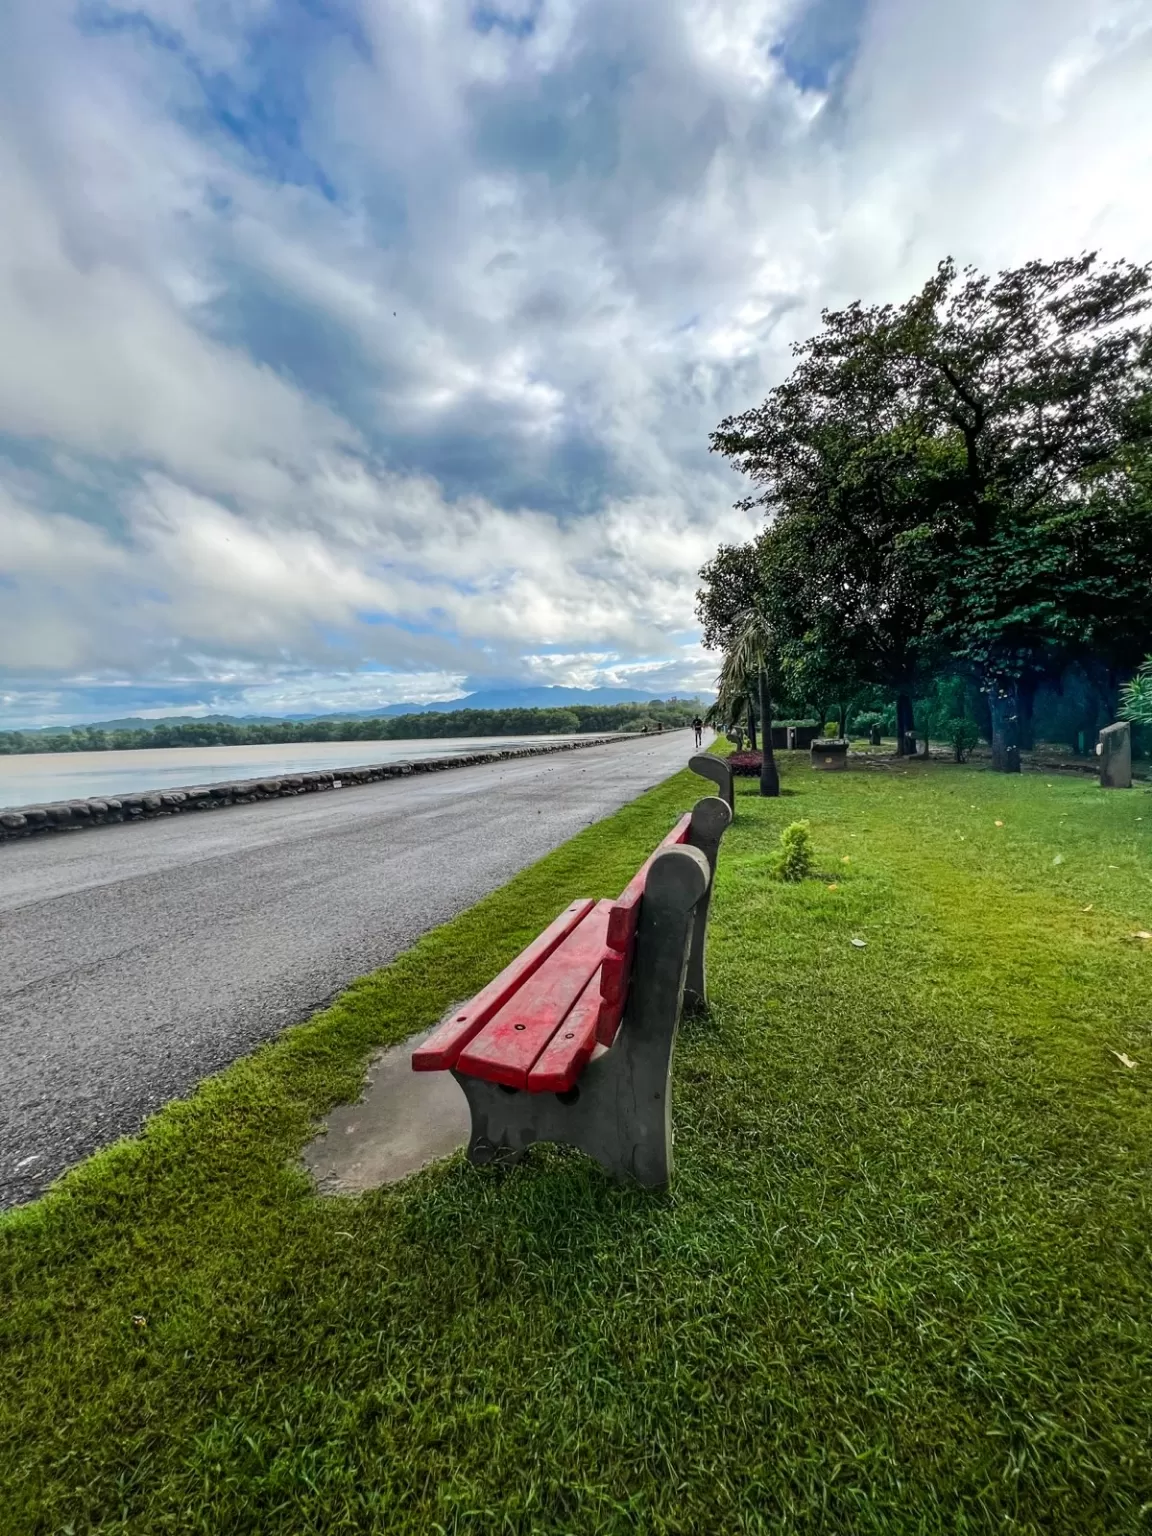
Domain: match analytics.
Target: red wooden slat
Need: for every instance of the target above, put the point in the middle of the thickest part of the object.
(443, 1047)
(507, 1047)
(622, 925)
(609, 1021)
(615, 974)
(562, 1060)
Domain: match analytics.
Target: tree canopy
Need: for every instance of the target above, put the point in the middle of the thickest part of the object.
(961, 480)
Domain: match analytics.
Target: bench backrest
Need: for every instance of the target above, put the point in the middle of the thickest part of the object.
(537, 1024)
(626, 909)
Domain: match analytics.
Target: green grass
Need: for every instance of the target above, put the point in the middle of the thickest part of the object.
(901, 1282)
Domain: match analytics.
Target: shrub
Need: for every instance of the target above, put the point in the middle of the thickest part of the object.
(832, 729)
(862, 724)
(793, 859)
(963, 735)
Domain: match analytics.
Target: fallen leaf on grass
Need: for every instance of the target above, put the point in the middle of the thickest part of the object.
(833, 887)
(1088, 908)
(1125, 1061)
(858, 943)
(1141, 934)
(139, 1322)
(846, 859)
(1059, 859)
(999, 823)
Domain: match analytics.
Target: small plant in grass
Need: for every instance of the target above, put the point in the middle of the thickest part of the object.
(793, 859)
(962, 735)
(832, 730)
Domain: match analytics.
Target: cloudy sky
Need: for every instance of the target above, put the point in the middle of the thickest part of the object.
(363, 350)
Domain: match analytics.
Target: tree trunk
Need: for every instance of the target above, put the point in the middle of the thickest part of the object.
(751, 723)
(769, 777)
(842, 715)
(1026, 704)
(904, 724)
(1005, 727)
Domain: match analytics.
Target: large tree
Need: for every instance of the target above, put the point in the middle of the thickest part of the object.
(922, 452)
(845, 582)
(842, 566)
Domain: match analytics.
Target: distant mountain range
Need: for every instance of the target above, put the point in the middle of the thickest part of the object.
(502, 698)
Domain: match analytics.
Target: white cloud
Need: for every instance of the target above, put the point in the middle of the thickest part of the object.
(401, 350)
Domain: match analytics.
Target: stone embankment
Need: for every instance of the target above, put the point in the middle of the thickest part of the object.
(75, 815)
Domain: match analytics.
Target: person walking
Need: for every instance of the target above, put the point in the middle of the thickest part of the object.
(698, 727)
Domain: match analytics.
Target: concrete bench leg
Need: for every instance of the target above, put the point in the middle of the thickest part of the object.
(711, 818)
(620, 1112)
(715, 768)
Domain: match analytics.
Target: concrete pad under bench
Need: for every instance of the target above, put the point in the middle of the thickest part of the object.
(402, 1121)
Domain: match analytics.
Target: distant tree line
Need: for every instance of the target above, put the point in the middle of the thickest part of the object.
(569, 721)
(958, 502)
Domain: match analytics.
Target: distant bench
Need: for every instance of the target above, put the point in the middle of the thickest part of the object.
(573, 1041)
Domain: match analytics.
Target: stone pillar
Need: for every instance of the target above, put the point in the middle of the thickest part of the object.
(1114, 749)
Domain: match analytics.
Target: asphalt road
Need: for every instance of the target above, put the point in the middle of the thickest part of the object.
(134, 961)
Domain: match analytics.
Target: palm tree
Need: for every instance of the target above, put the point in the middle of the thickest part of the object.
(745, 667)
(1136, 700)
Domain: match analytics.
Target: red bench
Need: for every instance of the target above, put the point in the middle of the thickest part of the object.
(573, 1041)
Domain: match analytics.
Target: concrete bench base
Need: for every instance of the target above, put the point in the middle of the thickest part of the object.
(830, 756)
(1114, 750)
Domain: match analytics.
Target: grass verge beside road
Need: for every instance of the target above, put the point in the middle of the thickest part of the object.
(900, 1284)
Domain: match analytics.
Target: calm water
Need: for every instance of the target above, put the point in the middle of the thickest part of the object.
(41, 776)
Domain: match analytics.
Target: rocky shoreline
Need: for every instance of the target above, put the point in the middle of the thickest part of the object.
(102, 811)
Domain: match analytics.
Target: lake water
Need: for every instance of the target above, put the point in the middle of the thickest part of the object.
(36, 777)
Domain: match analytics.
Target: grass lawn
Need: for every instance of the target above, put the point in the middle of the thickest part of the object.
(901, 1282)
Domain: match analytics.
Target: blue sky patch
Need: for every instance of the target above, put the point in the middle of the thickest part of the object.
(820, 42)
(518, 24)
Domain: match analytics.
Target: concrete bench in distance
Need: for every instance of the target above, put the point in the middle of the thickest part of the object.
(572, 1042)
(830, 755)
(1114, 749)
(708, 766)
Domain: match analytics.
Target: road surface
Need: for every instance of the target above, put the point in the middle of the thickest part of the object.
(134, 961)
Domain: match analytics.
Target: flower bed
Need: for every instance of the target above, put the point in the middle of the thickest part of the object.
(745, 764)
